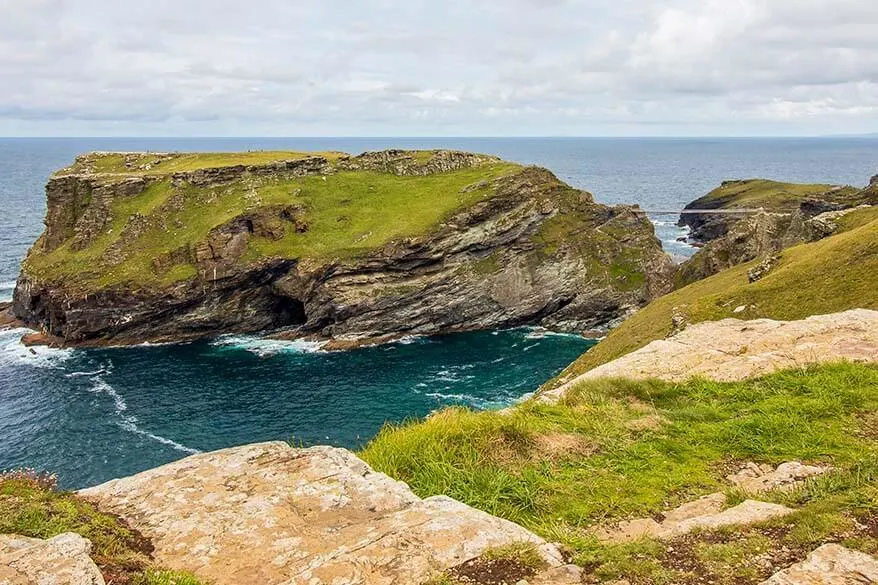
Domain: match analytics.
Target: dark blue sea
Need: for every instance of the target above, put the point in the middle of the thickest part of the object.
(92, 415)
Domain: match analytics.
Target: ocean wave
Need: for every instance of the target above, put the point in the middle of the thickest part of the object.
(129, 422)
(268, 347)
(540, 333)
(470, 400)
(86, 374)
(12, 351)
(411, 339)
(4, 286)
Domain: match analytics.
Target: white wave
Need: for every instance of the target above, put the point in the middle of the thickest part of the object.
(410, 339)
(498, 360)
(86, 374)
(474, 401)
(131, 426)
(7, 285)
(530, 347)
(12, 351)
(268, 347)
(129, 422)
(540, 333)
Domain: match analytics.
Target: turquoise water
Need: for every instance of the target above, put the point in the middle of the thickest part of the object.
(98, 414)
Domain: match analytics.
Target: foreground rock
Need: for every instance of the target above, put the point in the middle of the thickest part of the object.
(830, 564)
(732, 349)
(328, 246)
(62, 560)
(710, 512)
(265, 514)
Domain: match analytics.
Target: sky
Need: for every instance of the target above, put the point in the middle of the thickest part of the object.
(438, 68)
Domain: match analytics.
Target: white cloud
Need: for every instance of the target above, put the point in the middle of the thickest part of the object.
(415, 67)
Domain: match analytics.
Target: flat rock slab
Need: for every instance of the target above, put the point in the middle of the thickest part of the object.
(831, 564)
(702, 514)
(732, 349)
(62, 560)
(753, 478)
(270, 514)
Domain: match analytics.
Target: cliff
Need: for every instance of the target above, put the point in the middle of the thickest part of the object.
(788, 214)
(770, 196)
(153, 247)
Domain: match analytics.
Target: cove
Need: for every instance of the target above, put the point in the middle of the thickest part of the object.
(93, 415)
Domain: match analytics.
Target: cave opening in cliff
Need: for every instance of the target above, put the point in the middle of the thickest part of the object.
(288, 312)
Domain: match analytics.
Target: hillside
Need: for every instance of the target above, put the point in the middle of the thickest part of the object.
(162, 247)
(834, 274)
(771, 196)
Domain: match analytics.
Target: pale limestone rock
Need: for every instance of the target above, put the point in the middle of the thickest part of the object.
(754, 478)
(732, 349)
(830, 564)
(62, 560)
(705, 513)
(269, 514)
(566, 575)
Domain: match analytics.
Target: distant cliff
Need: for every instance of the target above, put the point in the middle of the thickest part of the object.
(788, 214)
(157, 247)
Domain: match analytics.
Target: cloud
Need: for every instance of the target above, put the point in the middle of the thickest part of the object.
(391, 67)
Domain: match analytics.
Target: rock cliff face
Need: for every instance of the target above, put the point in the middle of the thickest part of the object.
(156, 247)
(788, 215)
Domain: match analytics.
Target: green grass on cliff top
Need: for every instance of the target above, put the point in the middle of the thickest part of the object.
(145, 163)
(347, 213)
(755, 193)
(616, 449)
(834, 274)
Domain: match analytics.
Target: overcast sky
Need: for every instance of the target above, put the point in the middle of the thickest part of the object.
(438, 68)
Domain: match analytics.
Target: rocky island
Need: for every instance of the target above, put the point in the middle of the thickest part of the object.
(167, 247)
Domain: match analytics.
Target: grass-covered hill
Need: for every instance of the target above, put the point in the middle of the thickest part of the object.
(771, 196)
(831, 275)
(153, 246)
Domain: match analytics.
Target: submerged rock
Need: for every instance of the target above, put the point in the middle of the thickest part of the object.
(270, 514)
(166, 247)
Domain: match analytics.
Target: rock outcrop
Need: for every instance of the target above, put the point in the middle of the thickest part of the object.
(783, 215)
(137, 250)
(732, 349)
(62, 560)
(270, 514)
(831, 564)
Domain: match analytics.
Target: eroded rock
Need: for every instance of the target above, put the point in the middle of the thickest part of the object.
(753, 478)
(732, 349)
(62, 560)
(705, 513)
(267, 513)
(831, 564)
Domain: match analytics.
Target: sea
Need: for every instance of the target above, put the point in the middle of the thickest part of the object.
(93, 415)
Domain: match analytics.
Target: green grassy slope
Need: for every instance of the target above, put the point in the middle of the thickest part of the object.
(617, 449)
(347, 213)
(769, 194)
(834, 274)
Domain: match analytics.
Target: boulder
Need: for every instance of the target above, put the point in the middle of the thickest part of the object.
(62, 560)
(732, 349)
(270, 514)
(831, 564)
